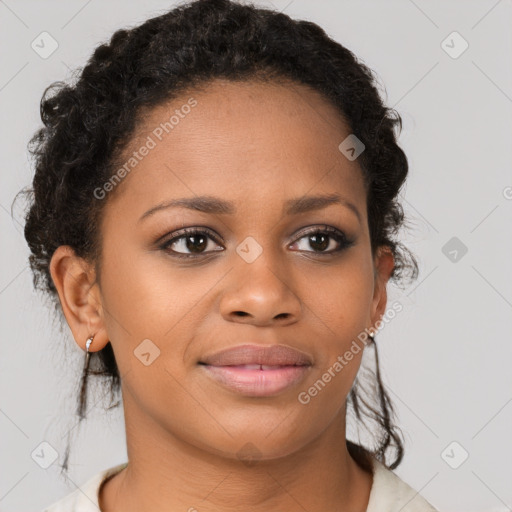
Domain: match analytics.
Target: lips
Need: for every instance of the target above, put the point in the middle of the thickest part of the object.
(259, 357)
(256, 371)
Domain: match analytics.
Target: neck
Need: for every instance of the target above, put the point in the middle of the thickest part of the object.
(166, 473)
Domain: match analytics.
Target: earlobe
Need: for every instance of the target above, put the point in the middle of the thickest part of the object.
(73, 279)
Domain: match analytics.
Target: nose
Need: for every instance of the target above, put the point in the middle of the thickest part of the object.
(260, 295)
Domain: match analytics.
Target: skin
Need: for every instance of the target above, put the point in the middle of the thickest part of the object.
(257, 145)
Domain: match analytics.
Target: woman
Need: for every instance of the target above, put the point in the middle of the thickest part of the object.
(214, 211)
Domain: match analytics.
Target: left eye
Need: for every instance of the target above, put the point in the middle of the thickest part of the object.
(321, 239)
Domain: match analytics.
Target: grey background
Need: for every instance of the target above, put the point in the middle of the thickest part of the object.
(445, 358)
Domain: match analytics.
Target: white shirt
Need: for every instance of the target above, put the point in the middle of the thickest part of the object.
(388, 494)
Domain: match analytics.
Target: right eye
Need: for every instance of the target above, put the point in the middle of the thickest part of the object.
(189, 239)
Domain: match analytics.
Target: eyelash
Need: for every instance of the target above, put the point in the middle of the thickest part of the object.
(337, 235)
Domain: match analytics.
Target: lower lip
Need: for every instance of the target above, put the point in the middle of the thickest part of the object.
(252, 382)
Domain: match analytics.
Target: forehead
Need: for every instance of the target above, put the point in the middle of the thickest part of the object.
(266, 140)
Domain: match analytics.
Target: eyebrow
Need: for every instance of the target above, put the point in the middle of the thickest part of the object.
(215, 205)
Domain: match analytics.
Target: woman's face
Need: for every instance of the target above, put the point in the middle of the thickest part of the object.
(257, 274)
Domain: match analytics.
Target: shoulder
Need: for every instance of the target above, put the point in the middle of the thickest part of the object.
(390, 493)
(85, 497)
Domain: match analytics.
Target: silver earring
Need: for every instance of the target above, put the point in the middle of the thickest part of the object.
(87, 353)
(88, 343)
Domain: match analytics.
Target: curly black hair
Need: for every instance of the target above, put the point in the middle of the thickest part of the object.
(88, 123)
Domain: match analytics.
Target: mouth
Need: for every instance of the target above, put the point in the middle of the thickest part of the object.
(257, 380)
(256, 370)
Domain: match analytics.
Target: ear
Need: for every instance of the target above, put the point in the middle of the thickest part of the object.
(79, 297)
(384, 264)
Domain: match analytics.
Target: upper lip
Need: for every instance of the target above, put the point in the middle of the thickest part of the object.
(274, 355)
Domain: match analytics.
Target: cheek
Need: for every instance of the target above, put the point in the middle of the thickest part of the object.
(150, 311)
(145, 299)
(146, 291)
(340, 298)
